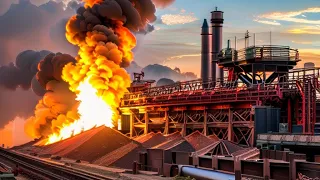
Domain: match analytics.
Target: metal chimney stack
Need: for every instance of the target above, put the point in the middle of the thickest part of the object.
(216, 22)
(205, 52)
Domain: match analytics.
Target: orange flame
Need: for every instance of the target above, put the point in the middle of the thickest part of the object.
(90, 3)
(97, 78)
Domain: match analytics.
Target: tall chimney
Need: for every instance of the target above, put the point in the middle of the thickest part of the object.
(205, 52)
(216, 22)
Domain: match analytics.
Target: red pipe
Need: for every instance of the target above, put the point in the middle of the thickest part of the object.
(289, 115)
(303, 106)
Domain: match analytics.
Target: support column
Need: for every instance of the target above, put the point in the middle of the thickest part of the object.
(237, 168)
(184, 127)
(205, 125)
(166, 118)
(289, 115)
(252, 140)
(296, 111)
(230, 127)
(266, 169)
(146, 119)
(131, 124)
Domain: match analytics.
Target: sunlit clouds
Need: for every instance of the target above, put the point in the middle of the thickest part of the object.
(306, 30)
(275, 23)
(292, 16)
(174, 19)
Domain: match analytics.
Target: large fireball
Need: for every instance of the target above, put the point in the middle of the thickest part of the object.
(102, 30)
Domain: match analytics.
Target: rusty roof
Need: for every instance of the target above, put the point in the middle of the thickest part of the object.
(155, 139)
(117, 154)
(144, 138)
(221, 147)
(102, 143)
(198, 140)
(174, 135)
(68, 145)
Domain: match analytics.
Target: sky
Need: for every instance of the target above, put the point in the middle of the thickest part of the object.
(176, 40)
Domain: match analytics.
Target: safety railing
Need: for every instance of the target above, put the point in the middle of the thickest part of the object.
(199, 90)
(264, 53)
(208, 96)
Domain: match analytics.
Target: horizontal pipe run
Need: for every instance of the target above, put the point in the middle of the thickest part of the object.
(204, 174)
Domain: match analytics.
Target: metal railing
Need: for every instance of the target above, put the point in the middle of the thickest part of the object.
(264, 53)
(199, 90)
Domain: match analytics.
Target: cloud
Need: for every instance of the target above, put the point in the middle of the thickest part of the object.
(16, 103)
(157, 71)
(275, 23)
(174, 19)
(309, 55)
(306, 30)
(292, 16)
(302, 42)
(26, 24)
(180, 57)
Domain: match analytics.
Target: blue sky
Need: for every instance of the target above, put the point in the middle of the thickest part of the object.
(177, 44)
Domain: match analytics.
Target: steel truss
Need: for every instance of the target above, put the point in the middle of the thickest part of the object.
(224, 111)
(226, 122)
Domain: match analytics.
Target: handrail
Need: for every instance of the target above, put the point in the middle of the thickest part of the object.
(260, 52)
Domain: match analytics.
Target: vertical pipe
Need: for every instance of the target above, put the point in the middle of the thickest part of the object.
(131, 124)
(205, 54)
(205, 128)
(296, 110)
(230, 125)
(235, 42)
(309, 107)
(216, 22)
(166, 118)
(184, 127)
(289, 115)
(146, 118)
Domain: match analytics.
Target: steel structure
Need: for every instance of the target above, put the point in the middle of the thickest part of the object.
(224, 105)
(227, 110)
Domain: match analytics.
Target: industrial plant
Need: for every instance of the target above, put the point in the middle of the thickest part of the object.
(251, 115)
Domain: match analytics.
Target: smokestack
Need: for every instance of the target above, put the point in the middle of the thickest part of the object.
(216, 22)
(205, 52)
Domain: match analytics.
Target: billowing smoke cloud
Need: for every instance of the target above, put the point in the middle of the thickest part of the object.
(163, 3)
(20, 74)
(27, 26)
(16, 103)
(51, 67)
(58, 99)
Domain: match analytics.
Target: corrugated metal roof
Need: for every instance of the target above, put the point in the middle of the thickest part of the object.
(198, 140)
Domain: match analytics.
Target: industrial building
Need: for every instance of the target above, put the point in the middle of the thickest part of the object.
(253, 97)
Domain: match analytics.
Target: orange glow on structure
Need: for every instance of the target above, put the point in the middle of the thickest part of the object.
(97, 78)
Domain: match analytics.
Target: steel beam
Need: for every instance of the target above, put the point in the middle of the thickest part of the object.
(146, 119)
(166, 118)
(131, 124)
(205, 125)
(230, 128)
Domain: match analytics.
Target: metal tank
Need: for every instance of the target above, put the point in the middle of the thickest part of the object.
(216, 22)
(205, 52)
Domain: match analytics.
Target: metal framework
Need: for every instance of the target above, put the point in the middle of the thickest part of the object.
(227, 109)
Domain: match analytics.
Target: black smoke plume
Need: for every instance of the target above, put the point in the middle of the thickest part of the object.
(20, 74)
